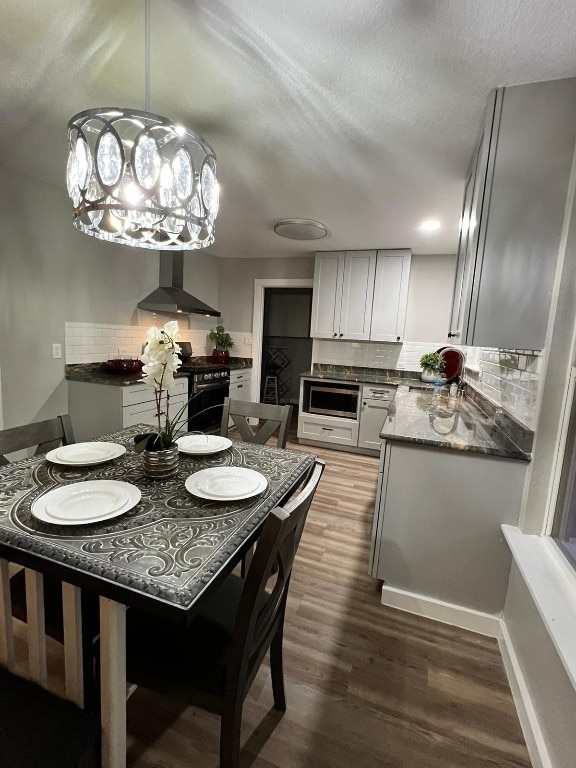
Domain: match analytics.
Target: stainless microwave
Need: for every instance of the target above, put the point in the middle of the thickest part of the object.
(334, 399)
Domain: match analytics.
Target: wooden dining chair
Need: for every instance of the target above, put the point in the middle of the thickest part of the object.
(212, 663)
(270, 418)
(37, 727)
(44, 435)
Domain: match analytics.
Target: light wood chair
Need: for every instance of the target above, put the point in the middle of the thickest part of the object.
(270, 418)
(43, 434)
(213, 662)
(38, 728)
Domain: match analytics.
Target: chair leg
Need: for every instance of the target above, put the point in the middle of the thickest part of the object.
(277, 672)
(230, 727)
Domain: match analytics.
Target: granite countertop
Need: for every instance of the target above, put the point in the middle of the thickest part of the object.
(96, 373)
(447, 422)
(370, 376)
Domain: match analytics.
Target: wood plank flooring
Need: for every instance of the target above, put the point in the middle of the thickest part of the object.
(366, 685)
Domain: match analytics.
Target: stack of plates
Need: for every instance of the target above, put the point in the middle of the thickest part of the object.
(88, 502)
(85, 454)
(226, 483)
(202, 444)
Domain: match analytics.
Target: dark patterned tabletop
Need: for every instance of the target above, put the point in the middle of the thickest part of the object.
(167, 549)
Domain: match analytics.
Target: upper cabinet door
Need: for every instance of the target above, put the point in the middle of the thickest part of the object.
(327, 295)
(390, 295)
(357, 294)
(507, 259)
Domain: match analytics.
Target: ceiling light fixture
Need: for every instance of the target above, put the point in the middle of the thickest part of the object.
(430, 225)
(139, 179)
(300, 229)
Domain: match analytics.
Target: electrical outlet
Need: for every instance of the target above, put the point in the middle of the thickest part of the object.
(56, 351)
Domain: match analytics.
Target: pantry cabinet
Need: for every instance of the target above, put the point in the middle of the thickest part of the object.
(360, 295)
(512, 220)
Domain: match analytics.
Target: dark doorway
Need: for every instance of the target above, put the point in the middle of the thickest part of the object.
(286, 343)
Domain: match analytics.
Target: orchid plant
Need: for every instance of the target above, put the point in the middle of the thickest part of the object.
(161, 362)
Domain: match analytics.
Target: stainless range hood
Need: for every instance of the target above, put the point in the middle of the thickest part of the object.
(171, 296)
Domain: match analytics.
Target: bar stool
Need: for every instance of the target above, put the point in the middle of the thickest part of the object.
(271, 390)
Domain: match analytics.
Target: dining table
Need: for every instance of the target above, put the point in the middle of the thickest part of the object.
(165, 555)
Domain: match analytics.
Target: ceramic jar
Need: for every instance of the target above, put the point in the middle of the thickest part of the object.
(160, 465)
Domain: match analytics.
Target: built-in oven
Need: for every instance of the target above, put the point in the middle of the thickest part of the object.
(333, 399)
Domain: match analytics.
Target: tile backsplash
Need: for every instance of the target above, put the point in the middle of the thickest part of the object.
(96, 342)
(510, 379)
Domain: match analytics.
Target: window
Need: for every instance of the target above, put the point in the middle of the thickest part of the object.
(564, 529)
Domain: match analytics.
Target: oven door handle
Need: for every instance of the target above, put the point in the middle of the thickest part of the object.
(216, 385)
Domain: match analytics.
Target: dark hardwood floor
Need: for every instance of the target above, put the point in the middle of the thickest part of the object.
(366, 685)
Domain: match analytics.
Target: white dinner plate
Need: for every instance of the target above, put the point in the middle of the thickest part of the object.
(83, 503)
(226, 483)
(202, 444)
(85, 454)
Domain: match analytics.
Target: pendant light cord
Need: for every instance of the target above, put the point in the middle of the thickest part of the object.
(147, 55)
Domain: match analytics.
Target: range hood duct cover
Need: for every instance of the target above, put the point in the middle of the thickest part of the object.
(170, 296)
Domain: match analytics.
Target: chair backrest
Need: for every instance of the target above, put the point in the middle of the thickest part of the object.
(44, 434)
(275, 417)
(261, 613)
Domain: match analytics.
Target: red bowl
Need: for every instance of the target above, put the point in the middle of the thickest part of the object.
(124, 366)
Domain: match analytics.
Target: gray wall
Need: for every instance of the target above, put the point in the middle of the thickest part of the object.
(237, 284)
(50, 274)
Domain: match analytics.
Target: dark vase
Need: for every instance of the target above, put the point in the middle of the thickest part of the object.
(220, 355)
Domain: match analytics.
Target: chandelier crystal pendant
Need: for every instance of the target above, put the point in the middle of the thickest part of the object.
(139, 179)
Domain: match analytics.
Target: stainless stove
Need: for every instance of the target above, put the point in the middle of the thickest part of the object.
(208, 386)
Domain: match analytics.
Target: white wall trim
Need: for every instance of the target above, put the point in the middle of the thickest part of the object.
(448, 613)
(258, 319)
(533, 736)
(551, 581)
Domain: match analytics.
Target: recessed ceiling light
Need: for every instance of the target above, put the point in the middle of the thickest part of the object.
(430, 225)
(300, 229)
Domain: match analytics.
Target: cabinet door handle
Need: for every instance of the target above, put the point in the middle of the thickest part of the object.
(327, 429)
(454, 335)
(341, 335)
(334, 335)
(397, 338)
(239, 386)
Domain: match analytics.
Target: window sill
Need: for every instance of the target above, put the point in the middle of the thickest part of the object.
(552, 583)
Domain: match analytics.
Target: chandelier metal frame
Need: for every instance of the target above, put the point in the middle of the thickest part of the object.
(139, 179)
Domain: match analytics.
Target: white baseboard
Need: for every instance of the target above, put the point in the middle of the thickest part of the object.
(449, 613)
(526, 714)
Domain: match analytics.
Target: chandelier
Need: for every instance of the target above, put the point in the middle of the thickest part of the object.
(139, 179)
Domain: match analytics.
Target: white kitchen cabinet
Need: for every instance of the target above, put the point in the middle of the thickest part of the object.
(328, 429)
(342, 296)
(515, 201)
(241, 384)
(438, 513)
(96, 409)
(390, 295)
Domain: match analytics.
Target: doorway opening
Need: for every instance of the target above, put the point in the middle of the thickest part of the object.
(282, 347)
(286, 343)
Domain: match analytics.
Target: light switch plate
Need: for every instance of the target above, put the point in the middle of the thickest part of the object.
(56, 351)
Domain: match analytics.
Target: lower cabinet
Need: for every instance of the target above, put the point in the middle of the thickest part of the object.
(328, 429)
(96, 409)
(241, 384)
(436, 533)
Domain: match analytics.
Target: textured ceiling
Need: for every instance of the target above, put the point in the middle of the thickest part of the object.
(361, 114)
